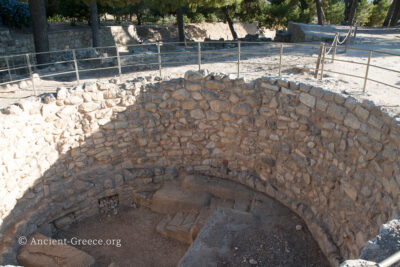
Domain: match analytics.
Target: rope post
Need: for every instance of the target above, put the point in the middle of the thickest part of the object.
(348, 38)
(159, 58)
(280, 60)
(323, 60)
(355, 34)
(118, 61)
(366, 71)
(238, 63)
(76, 66)
(318, 61)
(30, 73)
(334, 46)
(199, 54)
(8, 68)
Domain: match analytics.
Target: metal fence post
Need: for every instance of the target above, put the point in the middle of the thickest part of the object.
(30, 73)
(323, 61)
(280, 59)
(8, 68)
(238, 63)
(118, 61)
(367, 70)
(76, 66)
(318, 61)
(159, 58)
(199, 54)
(334, 46)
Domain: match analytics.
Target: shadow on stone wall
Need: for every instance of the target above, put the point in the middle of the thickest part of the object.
(329, 159)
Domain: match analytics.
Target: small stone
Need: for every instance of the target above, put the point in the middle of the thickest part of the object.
(219, 105)
(242, 109)
(197, 114)
(181, 94)
(299, 227)
(253, 262)
(193, 76)
(307, 100)
(62, 93)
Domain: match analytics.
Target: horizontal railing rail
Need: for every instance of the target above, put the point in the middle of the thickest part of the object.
(23, 67)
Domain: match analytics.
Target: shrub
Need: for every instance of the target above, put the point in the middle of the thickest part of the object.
(363, 12)
(15, 14)
(378, 13)
(334, 10)
(197, 18)
(211, 18)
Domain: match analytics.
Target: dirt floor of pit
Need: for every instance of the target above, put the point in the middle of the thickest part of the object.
(141, 245)
(278, 245)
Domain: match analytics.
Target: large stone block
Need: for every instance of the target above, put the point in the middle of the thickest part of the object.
(43, 251)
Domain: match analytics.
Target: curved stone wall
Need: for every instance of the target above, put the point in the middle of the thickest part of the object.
(330, 159)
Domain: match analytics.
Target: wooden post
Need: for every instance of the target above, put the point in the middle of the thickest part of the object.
(323, 60)
(366, 71)
(280, 60)
(30, 73)
(76, 66)
(318, 61)
(8, 68)
(199, 54)
(159, 58)
(238, 63)
(118, 61)
(334, 47)
(348, 39)
(355, 34)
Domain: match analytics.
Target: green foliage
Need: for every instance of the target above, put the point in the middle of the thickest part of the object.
(363, 12)
(334, 11)
(76, 9)
(197, 18)
(253, 10)
(15, 14)
(279, 13)
(378, 13)
(211, 17)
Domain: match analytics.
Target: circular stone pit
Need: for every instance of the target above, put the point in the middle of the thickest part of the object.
(331, 160)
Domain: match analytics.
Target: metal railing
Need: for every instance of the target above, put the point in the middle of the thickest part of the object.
(18, 68)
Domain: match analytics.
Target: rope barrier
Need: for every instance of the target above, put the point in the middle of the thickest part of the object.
(336, 41)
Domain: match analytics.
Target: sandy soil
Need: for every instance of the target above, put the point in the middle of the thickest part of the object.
(140, 244)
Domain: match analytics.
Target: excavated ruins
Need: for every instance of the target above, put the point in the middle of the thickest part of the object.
(204, 170)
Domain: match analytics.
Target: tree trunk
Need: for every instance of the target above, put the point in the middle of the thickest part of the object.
(139, 19)
(39, 26)
(319, 12)
(181, 25)
(352, 12)
(347, 8)
(396, 14)
(389, 14)
(230, 24)
(94, 22)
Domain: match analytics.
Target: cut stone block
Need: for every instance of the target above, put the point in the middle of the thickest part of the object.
(171, 198)
(218, 187)
(43, 251)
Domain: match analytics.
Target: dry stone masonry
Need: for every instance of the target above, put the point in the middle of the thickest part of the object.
(330, 159)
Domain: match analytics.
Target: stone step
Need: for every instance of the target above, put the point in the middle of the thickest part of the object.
(220, 188)
(143, 198)
(179, 226)
(172, 198)
(242, 204)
